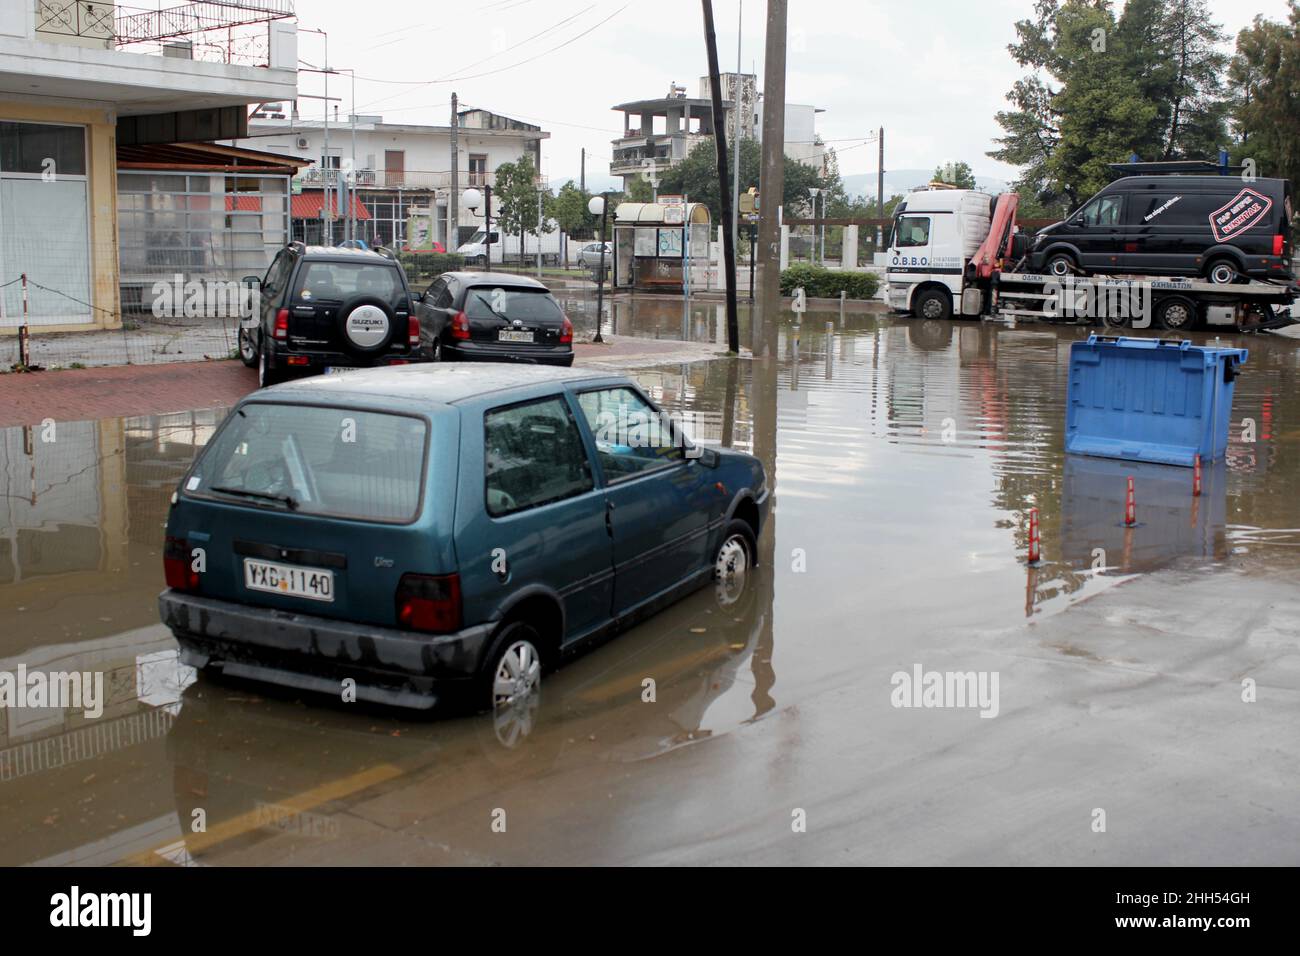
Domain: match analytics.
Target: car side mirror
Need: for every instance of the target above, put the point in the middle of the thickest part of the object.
(417, 296)
(706, 456)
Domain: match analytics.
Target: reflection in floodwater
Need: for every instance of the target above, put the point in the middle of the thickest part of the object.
(903, 456)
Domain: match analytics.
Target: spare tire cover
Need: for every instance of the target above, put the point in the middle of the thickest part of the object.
(367, 324)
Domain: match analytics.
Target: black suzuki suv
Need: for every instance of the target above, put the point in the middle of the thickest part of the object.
(328, 309)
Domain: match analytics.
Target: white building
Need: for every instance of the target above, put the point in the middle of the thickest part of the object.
(659, 133)
(398, 167)
(78, 79)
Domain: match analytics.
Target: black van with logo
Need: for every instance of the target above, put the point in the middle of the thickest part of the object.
(1222, 228)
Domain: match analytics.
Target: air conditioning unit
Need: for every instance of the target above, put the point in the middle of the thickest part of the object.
(302, 142)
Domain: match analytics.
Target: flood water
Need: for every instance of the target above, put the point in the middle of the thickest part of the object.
(904, 457)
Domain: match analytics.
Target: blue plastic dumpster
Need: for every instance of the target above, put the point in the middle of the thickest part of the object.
(1157, 400)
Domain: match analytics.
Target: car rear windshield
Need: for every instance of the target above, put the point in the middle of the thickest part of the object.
(335, 281)
(527, 305)
(314, 460)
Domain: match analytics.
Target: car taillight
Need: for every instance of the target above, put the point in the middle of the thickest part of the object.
(413, 330)
(429, 603)
(178, 568)
(1279, 245)
(282, 324)
(460, 326)
(566, 331)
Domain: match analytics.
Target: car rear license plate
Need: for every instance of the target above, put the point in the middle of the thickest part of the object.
(340, 369)
(314, 584)
(508, 335)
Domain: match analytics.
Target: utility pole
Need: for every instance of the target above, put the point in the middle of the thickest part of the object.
(582, 175)
(329, 211)
(771, 182)
(880, 190)
(735, 139)
(453, 202)
(720, 142)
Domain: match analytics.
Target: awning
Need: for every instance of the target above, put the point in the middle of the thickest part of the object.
(308, 205)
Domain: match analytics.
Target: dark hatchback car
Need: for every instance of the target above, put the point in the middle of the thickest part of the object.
(1221, 228)
(327, 309)
(492, 317)
(437, 531)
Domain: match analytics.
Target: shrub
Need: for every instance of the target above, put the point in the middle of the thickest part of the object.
(422, 267)
(820, 283)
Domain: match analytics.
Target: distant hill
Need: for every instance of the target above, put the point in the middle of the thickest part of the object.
(899, 181)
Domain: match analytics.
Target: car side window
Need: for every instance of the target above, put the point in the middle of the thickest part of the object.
(914, 231)
(632, 437)
(533, 455)
(1103, 211)
(277, 274)
(435, 290)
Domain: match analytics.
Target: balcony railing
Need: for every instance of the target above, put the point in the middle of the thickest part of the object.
(396, 179)
(89, 19)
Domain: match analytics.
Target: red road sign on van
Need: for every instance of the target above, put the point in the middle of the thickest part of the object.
(1246, 209)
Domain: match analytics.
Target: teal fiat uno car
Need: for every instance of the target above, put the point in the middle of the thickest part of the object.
(434, 533)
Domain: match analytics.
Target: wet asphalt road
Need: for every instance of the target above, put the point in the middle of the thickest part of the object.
(904, 457)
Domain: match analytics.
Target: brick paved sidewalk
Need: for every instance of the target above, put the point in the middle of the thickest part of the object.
(125, 390)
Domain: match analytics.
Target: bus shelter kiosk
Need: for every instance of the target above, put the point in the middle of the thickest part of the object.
(662, 246)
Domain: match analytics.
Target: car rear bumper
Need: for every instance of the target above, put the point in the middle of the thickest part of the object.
(389, 666)
(316, 362)
(477, 352)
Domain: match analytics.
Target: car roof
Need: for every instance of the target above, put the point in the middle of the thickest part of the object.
(427, 385)
(345, 254)
(1227, 184)
(503, 279)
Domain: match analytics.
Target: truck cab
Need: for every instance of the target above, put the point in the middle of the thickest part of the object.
(935, 234)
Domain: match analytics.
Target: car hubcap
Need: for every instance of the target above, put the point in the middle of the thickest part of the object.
(932, 308)
(518, 675)
(1222, 275)
(1176, 316)
(261, 367)
(246, 344)
(1060, 267)
(729, 569)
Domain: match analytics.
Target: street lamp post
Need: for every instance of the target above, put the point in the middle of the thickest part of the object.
(596, 206)
(815, 192)
(472, 198)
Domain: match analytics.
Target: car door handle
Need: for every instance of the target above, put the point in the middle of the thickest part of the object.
(609, 517)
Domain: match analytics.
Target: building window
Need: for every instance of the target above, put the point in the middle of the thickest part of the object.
(45, 222)
(477, 169)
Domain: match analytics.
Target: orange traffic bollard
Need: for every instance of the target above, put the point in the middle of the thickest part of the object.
(1196, 477)
(1130, 505)
(1034, 543)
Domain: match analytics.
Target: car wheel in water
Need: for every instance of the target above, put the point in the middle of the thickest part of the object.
(1176, 313)
(513, 675)
(733, 562)
(933, 304)
(1222, 272)
(248, 348)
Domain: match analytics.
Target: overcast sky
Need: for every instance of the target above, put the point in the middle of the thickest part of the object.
(932, 72)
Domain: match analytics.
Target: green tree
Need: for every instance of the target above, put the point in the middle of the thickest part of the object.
(1173, 50)
(1264, 83)
(569, 210)
(954, 174)
(696, 176)
(515, 195)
